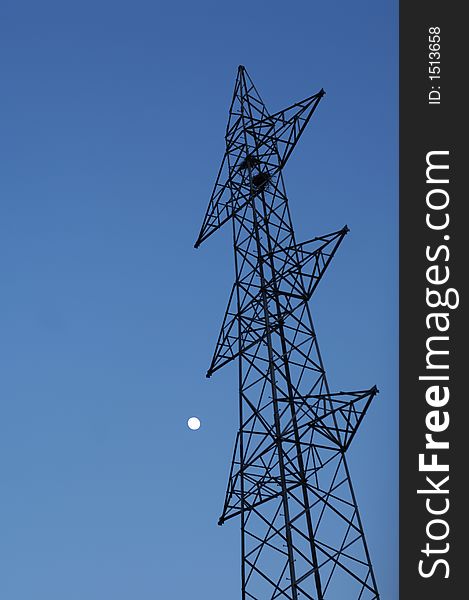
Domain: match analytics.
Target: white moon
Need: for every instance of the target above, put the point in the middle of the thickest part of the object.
(193, 423)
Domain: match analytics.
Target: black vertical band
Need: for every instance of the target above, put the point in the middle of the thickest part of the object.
(434, 255)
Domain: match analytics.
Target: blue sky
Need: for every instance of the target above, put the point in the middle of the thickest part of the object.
(111, 132)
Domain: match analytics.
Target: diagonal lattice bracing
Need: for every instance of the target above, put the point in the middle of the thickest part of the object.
(289, 483)
(300, 268)
(267, 140)
(254, 477)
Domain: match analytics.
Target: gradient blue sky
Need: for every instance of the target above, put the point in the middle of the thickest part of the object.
(112, 117)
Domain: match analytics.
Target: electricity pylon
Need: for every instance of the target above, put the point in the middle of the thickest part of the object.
(301, 532)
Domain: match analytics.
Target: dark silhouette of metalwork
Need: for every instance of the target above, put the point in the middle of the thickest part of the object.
(301, 532)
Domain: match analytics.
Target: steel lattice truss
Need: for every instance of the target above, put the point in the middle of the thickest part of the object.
(302, 536)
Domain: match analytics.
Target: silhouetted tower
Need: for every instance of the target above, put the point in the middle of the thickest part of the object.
(301, 533)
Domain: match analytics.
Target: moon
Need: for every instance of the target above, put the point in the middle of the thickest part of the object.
(193, 423)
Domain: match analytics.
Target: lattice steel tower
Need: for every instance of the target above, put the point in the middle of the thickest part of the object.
(301, 532)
